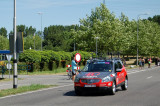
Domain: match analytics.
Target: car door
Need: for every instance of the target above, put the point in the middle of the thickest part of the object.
(120, 75)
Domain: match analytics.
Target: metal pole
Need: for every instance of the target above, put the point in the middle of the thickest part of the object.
(137, 37)
(40, 13)
(96, 47)
(104, 2)
(74, 40)
(34, 41)
(41, 32)
(15, 76)
(138, 32)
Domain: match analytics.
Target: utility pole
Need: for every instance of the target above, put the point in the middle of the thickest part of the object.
(104, 2)
(96, 44)
(15, 76)
(40, 13)
(74, 40)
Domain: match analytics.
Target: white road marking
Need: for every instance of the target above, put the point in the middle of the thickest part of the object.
(149, 77)
(136, 71)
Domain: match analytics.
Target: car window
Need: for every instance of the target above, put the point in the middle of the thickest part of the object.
(85, 68)
(98, 67)
(119, 64)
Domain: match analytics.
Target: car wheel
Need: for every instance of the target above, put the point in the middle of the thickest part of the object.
(125, 85)
(113, 89)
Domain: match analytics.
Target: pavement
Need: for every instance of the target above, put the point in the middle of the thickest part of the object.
(36, 79)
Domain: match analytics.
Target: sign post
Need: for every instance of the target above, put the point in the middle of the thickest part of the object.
(9, 65)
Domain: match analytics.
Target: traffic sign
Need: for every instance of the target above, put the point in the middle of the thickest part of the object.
(78, 57)
(9, 66)
(9, 57)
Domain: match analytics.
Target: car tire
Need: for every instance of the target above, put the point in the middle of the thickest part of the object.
(125, 85)
(113, 88)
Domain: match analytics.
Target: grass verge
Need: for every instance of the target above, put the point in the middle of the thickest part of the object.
(23, 89)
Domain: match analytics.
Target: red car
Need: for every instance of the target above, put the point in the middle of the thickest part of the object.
(101, 76)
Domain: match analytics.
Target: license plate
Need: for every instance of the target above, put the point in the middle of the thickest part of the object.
(89, 85)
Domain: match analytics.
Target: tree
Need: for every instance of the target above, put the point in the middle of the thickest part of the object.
(3, 32)
(155, 18)
(4, 43)
(31, 40)
(103, 24)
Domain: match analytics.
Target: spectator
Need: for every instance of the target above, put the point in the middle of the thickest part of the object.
(140, 63)
(74, 68)
(143, 62)
(149, 62)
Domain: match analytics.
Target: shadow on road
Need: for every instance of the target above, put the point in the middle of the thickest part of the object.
(70, 93)
(89, 94)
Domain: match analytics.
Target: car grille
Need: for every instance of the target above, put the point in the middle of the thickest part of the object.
(90, 81)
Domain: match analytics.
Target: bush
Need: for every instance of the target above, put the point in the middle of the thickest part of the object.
(51, 60)
(30, 56)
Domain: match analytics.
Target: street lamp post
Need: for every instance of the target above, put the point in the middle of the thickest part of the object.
(34, 41)
(40, 13)
(138, 32)
(74, 41)
(15, 76)
(96, 44)
(104, 2)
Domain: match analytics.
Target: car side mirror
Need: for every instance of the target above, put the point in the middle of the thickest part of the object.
(118, 70)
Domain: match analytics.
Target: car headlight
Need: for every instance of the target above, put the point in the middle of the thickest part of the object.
(106, 79)
(76, 79)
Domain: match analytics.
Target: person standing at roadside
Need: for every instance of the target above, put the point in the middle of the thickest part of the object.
(74, 68)
(149, 62)
(140, 63)
(143, 62)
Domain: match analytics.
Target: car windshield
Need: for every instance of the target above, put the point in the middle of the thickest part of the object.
(98, 67)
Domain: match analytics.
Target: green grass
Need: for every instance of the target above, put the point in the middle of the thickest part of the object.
(22, 89)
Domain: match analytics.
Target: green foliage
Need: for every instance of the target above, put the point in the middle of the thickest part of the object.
(4, 43)
(26, 30)
(155, 18)
(3, 32)
(30, 56)
(115, 35)
(32, 41)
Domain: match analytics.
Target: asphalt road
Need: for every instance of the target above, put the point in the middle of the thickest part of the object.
(143, 90)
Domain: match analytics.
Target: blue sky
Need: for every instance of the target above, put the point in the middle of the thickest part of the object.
(68, 12)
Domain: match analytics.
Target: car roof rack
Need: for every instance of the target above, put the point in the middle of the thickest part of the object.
(104, 59)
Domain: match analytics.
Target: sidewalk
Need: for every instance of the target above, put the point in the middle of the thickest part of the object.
(36, 79)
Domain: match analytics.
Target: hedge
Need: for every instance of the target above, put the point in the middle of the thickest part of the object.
(50, 60)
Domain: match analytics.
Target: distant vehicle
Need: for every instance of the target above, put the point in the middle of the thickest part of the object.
(103, 75)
